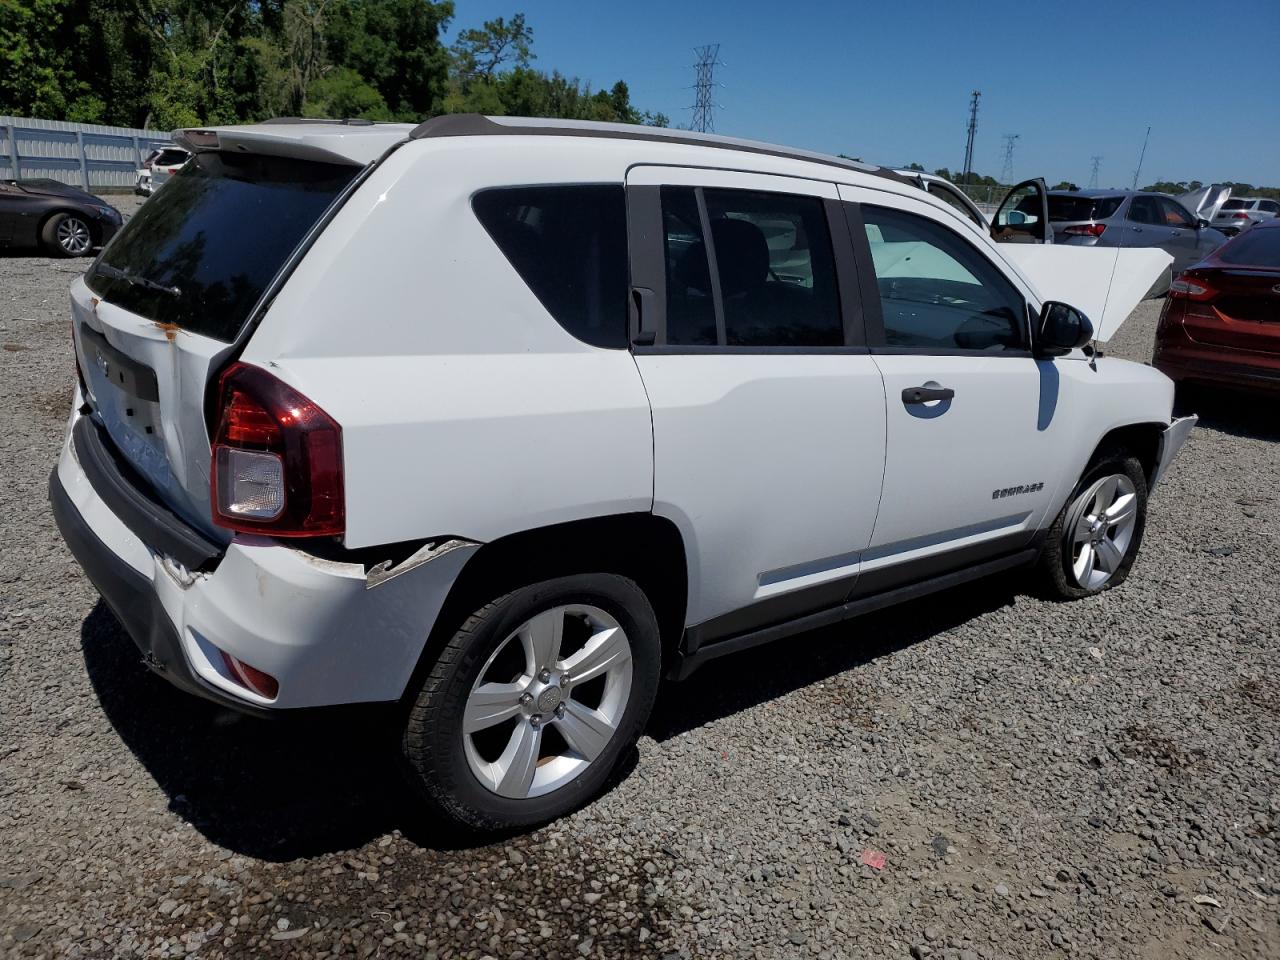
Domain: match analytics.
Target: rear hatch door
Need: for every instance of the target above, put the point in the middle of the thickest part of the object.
(165, 305)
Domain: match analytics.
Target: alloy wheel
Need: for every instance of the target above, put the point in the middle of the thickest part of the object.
(1100, 530)
(548, 701)
(73, 236)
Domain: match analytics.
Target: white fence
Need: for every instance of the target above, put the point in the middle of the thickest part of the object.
(84, 154)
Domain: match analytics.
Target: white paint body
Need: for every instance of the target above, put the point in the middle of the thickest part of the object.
(467, 411)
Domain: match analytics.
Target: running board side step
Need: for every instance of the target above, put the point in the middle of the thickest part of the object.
(688, 663)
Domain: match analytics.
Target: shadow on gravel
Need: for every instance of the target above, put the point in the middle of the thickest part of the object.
(276, 789)
(1238, 414)
(272, 789)
(739, 681)
(294, 787)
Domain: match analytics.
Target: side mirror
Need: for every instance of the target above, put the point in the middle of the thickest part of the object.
(1062, 328)
(1201, 223)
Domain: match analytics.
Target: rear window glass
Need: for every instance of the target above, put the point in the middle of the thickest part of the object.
(569, 245)
(200, 253)
(1259, 247)
(1237, 205)
(1063, 208)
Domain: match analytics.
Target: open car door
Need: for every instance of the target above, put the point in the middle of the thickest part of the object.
(1023, 215)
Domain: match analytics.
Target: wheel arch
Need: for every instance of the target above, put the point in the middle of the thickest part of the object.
(95, 230)
(641, 546)
(1140, 439)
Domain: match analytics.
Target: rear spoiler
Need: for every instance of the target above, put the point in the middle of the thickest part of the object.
(324, 141)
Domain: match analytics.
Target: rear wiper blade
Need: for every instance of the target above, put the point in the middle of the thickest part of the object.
(115, 273)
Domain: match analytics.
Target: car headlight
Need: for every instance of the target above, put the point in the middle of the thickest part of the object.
(109, 213)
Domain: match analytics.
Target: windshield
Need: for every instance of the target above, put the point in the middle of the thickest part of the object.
(1082, 208)
(200, 253)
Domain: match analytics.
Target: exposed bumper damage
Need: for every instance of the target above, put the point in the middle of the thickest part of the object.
(1171, 441)
(329, 632)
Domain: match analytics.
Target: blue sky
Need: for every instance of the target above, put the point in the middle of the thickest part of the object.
(890, 82)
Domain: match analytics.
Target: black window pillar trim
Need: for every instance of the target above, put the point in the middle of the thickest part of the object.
(849, 273)
(869, 290)
(713, 266)
(646, 260)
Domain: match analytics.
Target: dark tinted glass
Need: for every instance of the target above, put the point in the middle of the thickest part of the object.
(691, 312)
(1145, 210)
(936, 291)
(569, 244)
(1235, 204)
(776, 269)
(200, 253)
(1082, 208)
(1259, 247)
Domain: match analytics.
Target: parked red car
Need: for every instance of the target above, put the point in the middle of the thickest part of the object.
(1221, 321)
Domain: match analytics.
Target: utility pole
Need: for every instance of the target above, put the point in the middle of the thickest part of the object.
(1096, 160)
(973, 128)
(1141, 157)
(704, 71)
(1006, 172)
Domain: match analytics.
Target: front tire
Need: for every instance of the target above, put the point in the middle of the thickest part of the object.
(67, 235)
(1095, 539)
(533, 701)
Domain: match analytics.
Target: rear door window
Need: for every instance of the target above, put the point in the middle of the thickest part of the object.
(569, 245)
(767, 278)
(1145, 210)
(201, 252)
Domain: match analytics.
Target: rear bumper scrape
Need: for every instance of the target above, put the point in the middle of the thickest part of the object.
(1171, 441)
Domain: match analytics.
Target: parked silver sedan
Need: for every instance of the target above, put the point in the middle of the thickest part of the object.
(1126, 218)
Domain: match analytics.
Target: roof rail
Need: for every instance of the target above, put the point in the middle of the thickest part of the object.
(478, 125)
(348, 121)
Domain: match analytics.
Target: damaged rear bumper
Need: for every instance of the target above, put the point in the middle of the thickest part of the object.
(324, 629)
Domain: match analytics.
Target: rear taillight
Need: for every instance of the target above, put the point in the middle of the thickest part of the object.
(277, 459)
(1239, 216)
(1191, 287)
(1086, 230)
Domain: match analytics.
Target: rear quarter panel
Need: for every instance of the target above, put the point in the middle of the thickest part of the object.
(466, 409)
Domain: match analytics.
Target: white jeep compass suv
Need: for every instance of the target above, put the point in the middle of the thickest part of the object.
(501, 420)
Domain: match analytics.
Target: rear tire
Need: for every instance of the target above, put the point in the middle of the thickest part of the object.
(497, 739)
(67, 235)
(1096, 537)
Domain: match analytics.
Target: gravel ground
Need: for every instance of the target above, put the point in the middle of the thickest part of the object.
(1096, 779)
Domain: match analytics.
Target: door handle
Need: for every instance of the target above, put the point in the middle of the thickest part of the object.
(926, 394)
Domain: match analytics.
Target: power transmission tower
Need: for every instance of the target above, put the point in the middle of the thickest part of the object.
(1006, 172)
(704, 106)
(1093, 173)
(973, 128)
(1141, 157)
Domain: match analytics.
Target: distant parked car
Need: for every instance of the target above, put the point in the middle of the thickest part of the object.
(1240, 213)
(157, 168)
(48, 214)
(1221, 323)
(1125, 218)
